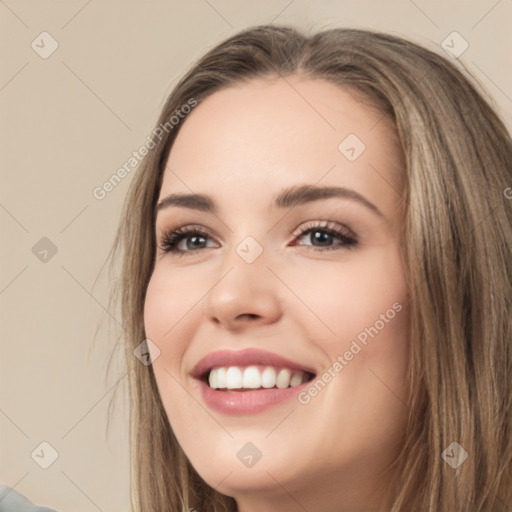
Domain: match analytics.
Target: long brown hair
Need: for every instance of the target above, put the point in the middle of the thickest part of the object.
(458, 263)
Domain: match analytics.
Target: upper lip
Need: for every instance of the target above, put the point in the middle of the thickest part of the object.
(246, 357)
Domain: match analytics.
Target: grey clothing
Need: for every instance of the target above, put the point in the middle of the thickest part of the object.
(13, 501)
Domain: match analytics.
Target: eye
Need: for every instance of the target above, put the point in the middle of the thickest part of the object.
(193, 237)
(323, 237)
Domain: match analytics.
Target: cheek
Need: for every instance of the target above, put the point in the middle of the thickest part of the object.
(346, 297)
(168, 307)
(168, 311)
(159, 307)
(361, 313)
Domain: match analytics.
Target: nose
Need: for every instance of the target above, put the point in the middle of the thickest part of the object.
(245, 294)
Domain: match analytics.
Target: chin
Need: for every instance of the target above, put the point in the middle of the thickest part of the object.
(232, 472)
(234, 480)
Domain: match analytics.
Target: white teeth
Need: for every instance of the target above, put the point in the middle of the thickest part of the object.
(213, 380)
(252, 378)
(221, 377)
(283, 378)
(268, 377)
(296, 379)
(234, 377)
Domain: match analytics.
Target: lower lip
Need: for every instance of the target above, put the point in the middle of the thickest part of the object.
(247, 402)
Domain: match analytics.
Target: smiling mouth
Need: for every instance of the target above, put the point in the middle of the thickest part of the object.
(236, 379)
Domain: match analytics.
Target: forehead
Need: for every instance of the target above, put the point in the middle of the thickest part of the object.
(254, 138)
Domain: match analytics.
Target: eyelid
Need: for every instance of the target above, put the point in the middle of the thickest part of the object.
(164, 232)
(303, 226)
(170, 238)
(185, 230)
(324, 224)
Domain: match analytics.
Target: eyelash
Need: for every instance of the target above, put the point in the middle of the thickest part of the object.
(171, 239)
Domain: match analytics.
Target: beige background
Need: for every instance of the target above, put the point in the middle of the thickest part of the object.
(67, 123)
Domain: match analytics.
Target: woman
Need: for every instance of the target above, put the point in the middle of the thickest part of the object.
(316, 282)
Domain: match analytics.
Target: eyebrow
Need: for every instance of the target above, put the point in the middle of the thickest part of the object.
(287, 198)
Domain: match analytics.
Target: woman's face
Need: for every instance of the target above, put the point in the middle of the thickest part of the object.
(279, 281)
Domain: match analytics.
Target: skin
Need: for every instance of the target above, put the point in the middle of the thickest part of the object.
(242, 146)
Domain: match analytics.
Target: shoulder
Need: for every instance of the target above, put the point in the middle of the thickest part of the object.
(13, 501)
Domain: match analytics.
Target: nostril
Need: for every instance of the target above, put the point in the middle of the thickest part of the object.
(249, 315)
